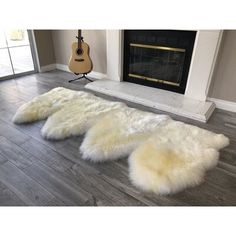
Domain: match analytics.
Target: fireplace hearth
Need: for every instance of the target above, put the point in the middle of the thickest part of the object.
(158, 58)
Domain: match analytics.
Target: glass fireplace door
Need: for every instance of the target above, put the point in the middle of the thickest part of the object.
(156, 63)
(158, 58)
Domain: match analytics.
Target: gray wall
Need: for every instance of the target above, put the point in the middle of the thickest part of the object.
(96, 39)
(223, 85)
(44, 44)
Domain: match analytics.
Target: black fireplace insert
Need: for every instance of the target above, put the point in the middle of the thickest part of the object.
(158, 58)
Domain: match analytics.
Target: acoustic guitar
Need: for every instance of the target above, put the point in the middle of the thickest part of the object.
(80, 61)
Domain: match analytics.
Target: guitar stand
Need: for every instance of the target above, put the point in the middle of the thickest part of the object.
(81, 77)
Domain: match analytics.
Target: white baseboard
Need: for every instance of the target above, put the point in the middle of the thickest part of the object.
(47, 68)
(62, 67)
(97, 75)
(223, 104)
(92, 74)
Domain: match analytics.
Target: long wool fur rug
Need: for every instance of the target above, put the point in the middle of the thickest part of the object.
(165, 156)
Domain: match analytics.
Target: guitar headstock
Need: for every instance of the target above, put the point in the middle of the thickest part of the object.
(80, 38)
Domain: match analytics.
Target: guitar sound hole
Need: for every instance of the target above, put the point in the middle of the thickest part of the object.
(79, 51)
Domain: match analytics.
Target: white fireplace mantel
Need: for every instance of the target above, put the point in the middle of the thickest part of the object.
(205, 50)
(192, 104)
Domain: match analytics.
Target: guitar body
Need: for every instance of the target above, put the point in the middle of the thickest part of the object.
(80, 62)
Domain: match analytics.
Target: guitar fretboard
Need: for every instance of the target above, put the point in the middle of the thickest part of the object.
(79, 39)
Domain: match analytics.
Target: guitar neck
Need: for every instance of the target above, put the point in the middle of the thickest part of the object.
(79, 39)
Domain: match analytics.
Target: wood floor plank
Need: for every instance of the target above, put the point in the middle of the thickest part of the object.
(12, 152)
(26, 189)
(55, 202)
(222, 178)
(47, 155)
(206, 194)
(12, 134)
(231, 169)
(64, 189)
(102, 190)
(9, 198)
(2, 159)
(228, 154)
(64, 167)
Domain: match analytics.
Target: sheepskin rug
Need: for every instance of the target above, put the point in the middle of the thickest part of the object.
(118, 133)
(40, 107)
(165, 156)
(175, 157)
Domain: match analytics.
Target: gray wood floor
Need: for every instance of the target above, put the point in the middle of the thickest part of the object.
(38, 172)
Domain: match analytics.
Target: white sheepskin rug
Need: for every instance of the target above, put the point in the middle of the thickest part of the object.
(165, 156)
(175, 157)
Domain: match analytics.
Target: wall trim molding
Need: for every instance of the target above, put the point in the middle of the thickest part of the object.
(35, 49)
(92, 74)
(46, 68)
(223, 104)
(97, 75)
(62, 67)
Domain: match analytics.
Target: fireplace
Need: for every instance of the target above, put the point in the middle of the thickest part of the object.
(158, 58)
